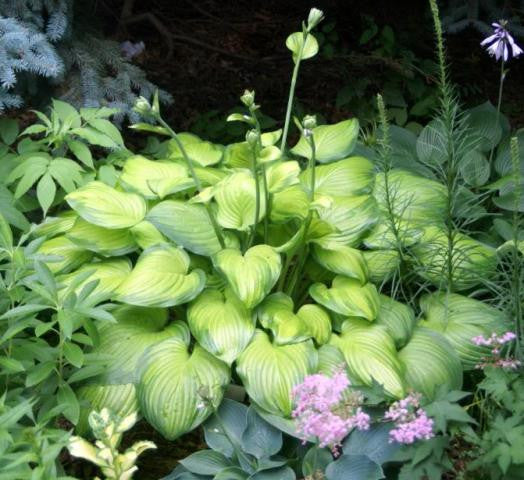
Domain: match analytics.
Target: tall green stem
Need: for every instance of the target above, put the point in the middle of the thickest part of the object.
(499, 104)
(257, 195)
(198, 183)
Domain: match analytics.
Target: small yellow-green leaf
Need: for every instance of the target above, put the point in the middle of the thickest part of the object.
(301, 49)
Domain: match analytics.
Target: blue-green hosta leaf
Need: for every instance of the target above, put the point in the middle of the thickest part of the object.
(354, 467)
(503, 162)
(350, 176)
(120, 399)
(332, 142)
(352, 217)
(146, 235)
(221, 323)
(348, 297)
(432, 144)
(260, 438)
(371, 355)
(53, 226)
(292, 202)
(204, 153)
(485, 123)
(282, 175)
(178, 390)
(430, 362)
(160, 278)
(382, 264)
(154, 179)
(269, 372)
(399, 319)
(252, 275)
(475, 169)
(64, 255)
(236, 199)
(302, 48)
(105, 241)
(106, 207)
(472, 260)
(343, 260)
(459, 319)
(187, 225)
(206, 462)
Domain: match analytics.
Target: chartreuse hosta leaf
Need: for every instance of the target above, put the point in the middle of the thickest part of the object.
(382, 264)
(460, 319)
(350, 176)
(221, 323)
(177, 389)
(185, 138)
(352, 217)
(472, 260)
(393, 233)
(292, 202)
(348, 297)
(276, 313)
(370, 354)
(252, 275)
(332, 142)
(343, 260)
(160, 278)
(106, 207)
(105, 241)
(62, 255)
(281, 175)
(53, 226)
(236, 199)
(154, 179)
(187, 225)
(430, 362)
(146, 235)
(399, 319)
(269, 372)
(204, 153)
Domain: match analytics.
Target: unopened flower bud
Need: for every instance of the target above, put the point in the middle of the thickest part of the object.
(142, 106)
(309, 122)
(314, 18)
(252, 137)
(248, 98)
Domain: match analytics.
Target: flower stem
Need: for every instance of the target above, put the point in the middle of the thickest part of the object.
(257, 196)
(499, 103)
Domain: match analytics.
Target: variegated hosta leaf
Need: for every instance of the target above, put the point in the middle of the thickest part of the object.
(472, 260)
(370, 353)
(459, 319)
(429, 362)
(187, 225)
(221, 323)
(281, 175)
(252, 275)
(382, 264)
(292, 202)
(331, 360)
(106, 207)
(352, 217)
(238, 155)
(154, 179)
(348, 297)
(53, 226)
(343, 260)
(413, 198)
(317, 321)
(120, 399)
(160, 278)
(146, 235)
(204, 153)
(269, 372)
(62, 255)
(178, 390)
(332, 142)
(236, 199)
(399, 319)
(350, 176)
(109, 274)
(185, 138)
(105, 241)
(209, 175)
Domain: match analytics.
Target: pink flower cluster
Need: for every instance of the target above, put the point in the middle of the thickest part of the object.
(496, 342)
(327, 410)
(411, 421)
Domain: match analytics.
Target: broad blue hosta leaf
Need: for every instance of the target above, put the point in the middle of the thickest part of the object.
(221, 323)
(332, 142)
(291, 202)
(204, 153)
(352, 217)
(354, 467)
(351, 176)
(63, 255)
(154, 179)
(371, 355)
(252, 275)
(53, 226)
(343, 260)
(429, 363)
(475, 168)
(472, 260)
(348, 297)
(399, 319)
(269, 372)
(178, 390)
(160, 278)
(105, 241)
(106, 207)
(281, 175)
(459, 319)
(236, 199)
(486, 125)
(301, 49)
(146, 235)
(382, 264)
(503, 162)
(185, 224)
(260, 439)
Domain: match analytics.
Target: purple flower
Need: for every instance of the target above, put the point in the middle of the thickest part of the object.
(496, 342)
(501, 43)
